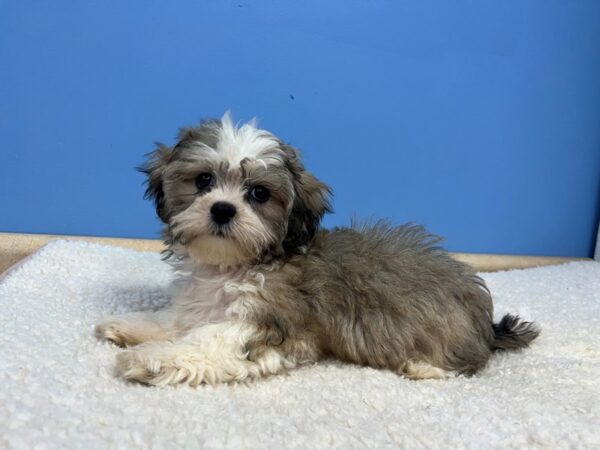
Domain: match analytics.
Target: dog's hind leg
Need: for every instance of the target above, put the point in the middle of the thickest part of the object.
(420, 370)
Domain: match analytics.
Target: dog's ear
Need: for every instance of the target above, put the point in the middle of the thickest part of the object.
(311, 202)
(154, 170)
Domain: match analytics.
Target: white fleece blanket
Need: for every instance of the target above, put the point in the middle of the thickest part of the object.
(57, 388)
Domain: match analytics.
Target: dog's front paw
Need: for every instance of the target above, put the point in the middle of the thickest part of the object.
(132, 329)
(149, 364)
(111, 330)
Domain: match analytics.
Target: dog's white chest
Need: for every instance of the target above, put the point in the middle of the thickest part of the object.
(209, 297)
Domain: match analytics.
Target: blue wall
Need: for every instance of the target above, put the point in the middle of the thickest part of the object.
(480, 119)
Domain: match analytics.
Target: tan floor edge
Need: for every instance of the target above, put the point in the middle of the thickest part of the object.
(16, 246)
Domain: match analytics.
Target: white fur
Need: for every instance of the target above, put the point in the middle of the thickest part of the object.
(204, 294)
(211, 354)
(247, 141)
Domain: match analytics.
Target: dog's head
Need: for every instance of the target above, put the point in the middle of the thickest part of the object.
(232, 194)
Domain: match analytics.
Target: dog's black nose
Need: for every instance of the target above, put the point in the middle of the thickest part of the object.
(222, 212)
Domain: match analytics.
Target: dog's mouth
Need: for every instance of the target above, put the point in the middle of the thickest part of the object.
(221, 231)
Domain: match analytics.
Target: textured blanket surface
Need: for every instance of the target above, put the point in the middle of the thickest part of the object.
(57, 388)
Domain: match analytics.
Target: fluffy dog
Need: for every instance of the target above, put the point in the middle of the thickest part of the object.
(261, 290)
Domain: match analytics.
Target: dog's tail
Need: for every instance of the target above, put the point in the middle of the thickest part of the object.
(512, 333)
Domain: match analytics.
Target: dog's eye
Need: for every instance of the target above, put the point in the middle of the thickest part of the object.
(203, 181)
(260, 193)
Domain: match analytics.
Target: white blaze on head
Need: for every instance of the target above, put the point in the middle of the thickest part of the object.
(246, 141)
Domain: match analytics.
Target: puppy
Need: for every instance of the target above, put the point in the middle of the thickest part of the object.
(261, 290)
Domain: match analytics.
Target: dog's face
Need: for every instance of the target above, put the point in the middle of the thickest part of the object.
(233, 194)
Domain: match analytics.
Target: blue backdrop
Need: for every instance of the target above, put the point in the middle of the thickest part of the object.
(479, 119)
